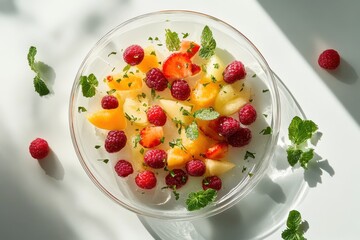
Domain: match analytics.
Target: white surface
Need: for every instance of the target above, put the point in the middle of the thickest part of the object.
(56, 200)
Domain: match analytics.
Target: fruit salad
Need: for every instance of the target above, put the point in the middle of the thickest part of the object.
(175, 120)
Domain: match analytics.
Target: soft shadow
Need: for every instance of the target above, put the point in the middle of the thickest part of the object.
(280, 158)
(304, 226)
(316, 138)
(8, 7)
(315, 170)
(52, 166)
(47, 73)
(346, 73)
(268, 187)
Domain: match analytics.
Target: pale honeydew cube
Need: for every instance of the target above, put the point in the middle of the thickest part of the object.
(232, 97)
(137, 156)
(136, 110)
(217, 168)
(215, 68)
(175, 110)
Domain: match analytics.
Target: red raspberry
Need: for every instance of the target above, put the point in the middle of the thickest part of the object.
(123, 168)
(195, 168)
(39, 148)
(156, 115)
(156, 80)
(133, 55)
(146, 179)
(240, 138)
(329, 59)
(180, 90)
(155, 158)
(213, 182)
(247, 114)
(234, 71)
(109, 102)
(115, 141)
(227, 126)
(176, 178)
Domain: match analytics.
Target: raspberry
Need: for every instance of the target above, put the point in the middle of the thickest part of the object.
(213, 182)
(240, 138)
(123, 168)
(156, 115)
(329, 59)
(176, 178)
(115, 141)
(109, 102)
(133, 55)
(39, 148)
(227, 126)
(234, 71)
(156, 80)
(145, 179)
(247, 114)
(195, 168)
(155, 158)
(180, 90)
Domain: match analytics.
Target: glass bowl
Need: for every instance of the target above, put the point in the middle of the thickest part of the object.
(105, 58)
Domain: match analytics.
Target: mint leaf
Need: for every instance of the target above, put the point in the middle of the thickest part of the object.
(294, 220)
(81, 109)
(249, 154)
(293, 223)
(31, 58)
(206, 114)
(88, 85)
(192, 131)
(208, 43)
(200, 199)
(172, 40)
(40, 86)
(301, 130)
(293, 155)
(306, 157)
(266, 131)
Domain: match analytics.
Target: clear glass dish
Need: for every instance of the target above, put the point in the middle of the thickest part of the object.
(160, 203)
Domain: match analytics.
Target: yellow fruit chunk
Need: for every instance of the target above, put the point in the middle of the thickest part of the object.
(176, 110)
(214, 69)
(177, 158)
(135, 111)
(110, 119)
(150, 60)
(136, 153)
(204, 94)
(125, 81)
(196, 147)
(217, 168)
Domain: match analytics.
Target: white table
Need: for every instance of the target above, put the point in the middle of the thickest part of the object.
(56, 200)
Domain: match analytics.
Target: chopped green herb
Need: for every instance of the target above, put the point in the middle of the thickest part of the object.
(178, 143)
(129, 84)
(213, 79)
(142, 151)
(39, 84)
(88, 85)
(265, 90)
(243, 169)
(200, 199)
(254, 75)
(126, 68)
(81, 109)
(249, 154)
(216, 65)
(293, 230)
(153, 93)
(172, 40)
(111, 91)
(125, 75)
(104, 160)
(250, 174)
(97, 146)
(265, 115)
(208, 43)
(206, 114)
(192, 131)
(136, 140)
(205, 84)
(176, 194)
(131, 118)
(162, 140)
(178, 124)
(185, 35)
(203, 68)
(112, 69)
(153, 53)
(172, 173)
(159, 44)
(266, 131)
(112, 53)
(150, 39)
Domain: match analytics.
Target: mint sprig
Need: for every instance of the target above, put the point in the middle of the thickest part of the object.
(300, 131)
(208, 43)
(192, 131)
(206, 114)
(88, 85)
(39, 84)
(172, 40)
(293, 230)
(200, 199)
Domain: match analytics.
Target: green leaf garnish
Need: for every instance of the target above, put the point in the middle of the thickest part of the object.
(192, 131)
(172, 40)
(301, 130)
(266, 131)
(206, 114)
(112, 53)
(185, 35)
(39, 84)
(88, 85)
(31, 58)
(293, 223)
(81, 109)
(200, 199)
(97, 146)
(249, 154)
(208, 43)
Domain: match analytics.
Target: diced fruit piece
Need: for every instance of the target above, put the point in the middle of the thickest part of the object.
(180, 90)
(176, 178)
(195, 147)
(177, 158)
(150, 60)
(125, 81)
(217, 151)
(151, 136)
(177, 66)
(214, 69)
(216, 167)
(156, 80)
(247, 114)
(146, 179)
(176, 110)
(134, 111)
(210, 129)
(240, 138)
(133, 55)
(123, 168)
(189, 48)
(109, 119)
(195, 69)
(115, 141)
(227, 126)
(155, 158)
(109, 102)
(195, 168)
(137, 152)
(234, 71)
(232, 97)
(156, 115)
(204, 94)
(213, 182)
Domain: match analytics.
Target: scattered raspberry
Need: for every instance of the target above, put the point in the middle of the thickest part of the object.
(227, 126)
(156, 80)
(247, 114)
(109, 102)
(39, 148)
(180, 90)
(240, 138)
(212, 182)
(156, 115)
(195, 168)
(329, 59)
(146, 179)
(155, 158)
(234, 71)
(123, 168)
(177, 178)
(115, 141)
(133, 55)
